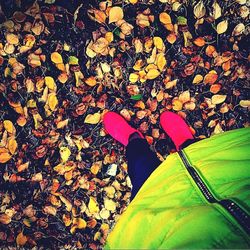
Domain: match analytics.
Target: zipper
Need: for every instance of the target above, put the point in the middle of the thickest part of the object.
(231, 206)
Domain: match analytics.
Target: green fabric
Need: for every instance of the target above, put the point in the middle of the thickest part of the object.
(170, 212)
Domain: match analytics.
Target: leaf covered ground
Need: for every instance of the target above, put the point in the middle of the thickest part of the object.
(63, 180)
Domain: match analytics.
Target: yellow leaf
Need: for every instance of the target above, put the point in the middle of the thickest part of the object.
(21, 239)
(12, 38)
(115, 14)
(133, 1)
(9, 127)
(62, 124)
(52, 101)
(93, 206)
(133, 77)
(158, 42)
(184, 96)
(177, 105)
(161, 61)
(12, 145)
(109, 37)
(197, 79)
(152, 74)
(109, 204)
(66, 203)
(91, 81)
(165, 18)
(171, 84)
(80, 223)
(199, 10)
(65, 153)
(239, 29)
(50, 83)
(216, 10)
(92, 118)
(56, 58)
(245, 103)
(222, 27)
(96, 167)
(217, 99)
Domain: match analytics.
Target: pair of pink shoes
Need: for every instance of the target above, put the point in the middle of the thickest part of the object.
(173, 125)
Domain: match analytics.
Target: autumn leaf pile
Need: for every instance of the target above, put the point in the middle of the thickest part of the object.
(63, 180)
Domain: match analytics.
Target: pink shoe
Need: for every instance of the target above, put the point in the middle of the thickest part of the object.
(176, 128)
(118, 128)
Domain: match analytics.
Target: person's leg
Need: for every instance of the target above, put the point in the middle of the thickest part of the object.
(141, 160)
(141, 163)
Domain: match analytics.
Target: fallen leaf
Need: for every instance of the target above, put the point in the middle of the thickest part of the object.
(199, 10)
(93, 206)
(171, 38)
(12, 38)
(115, 14)
(96, 166)
(133, 77)
(12, 145)
(200, 42)
(217, 99)
(153, 73)
(197, 79)
(211, 77)
(184, 96)
(177, 104)
(222, 27)
(239, 29)
(161, 61)
(9, 127)
(216, 10)
(56, 58)
(109, 204)
(4, 218)
(93, 118)
(50, 210)
(21, 239)
(66, 203)
(215, 88)
(245, 103)
(79, 223)
(52, 101)
(65, 153)
(91, 81)
(4, 157)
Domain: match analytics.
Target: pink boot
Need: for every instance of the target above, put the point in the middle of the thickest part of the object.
(176, 128)
(118, 128)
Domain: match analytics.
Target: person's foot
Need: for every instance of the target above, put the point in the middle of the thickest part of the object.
(176, 128)
(119, 129)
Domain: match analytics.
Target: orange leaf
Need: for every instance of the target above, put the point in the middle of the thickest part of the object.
(91, 81)
(211, 77)
(21, 121)
(4, 157)
(100, 16)
(56, 58)
(171, 38)
(165, 18)
(210, 50)
(5, 219)
(200, 42)
(21, 239)
(215, 88)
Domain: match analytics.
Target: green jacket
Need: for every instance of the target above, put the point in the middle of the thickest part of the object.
(198, 198)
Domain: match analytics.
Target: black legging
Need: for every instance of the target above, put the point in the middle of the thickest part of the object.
(142, 162)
